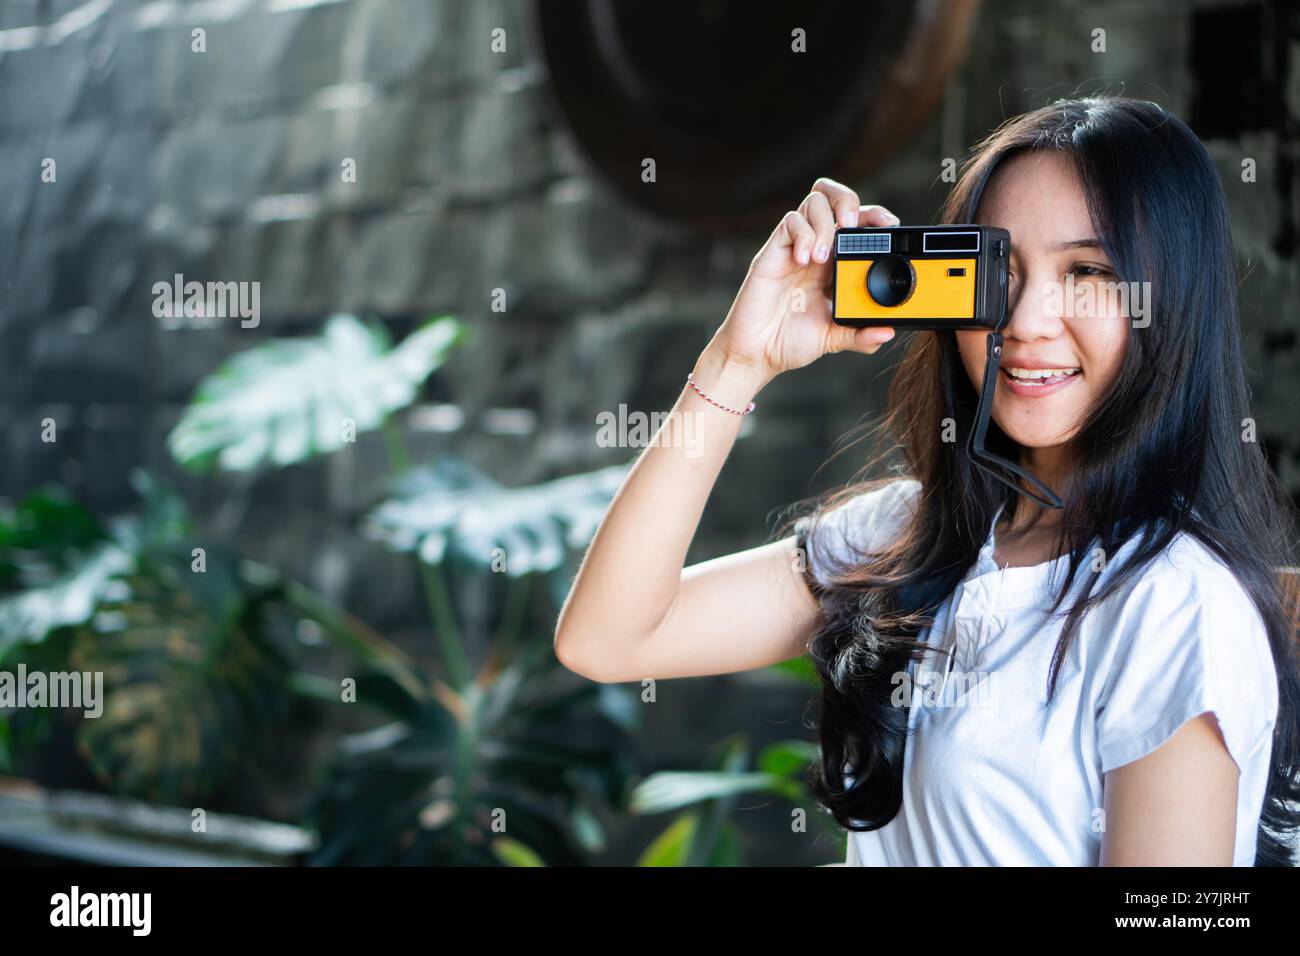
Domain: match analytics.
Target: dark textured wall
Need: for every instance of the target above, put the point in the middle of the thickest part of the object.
(226, 165)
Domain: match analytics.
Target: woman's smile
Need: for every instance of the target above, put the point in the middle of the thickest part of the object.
(1032, 381)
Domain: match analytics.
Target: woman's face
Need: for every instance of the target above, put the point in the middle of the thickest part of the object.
(1051, 325)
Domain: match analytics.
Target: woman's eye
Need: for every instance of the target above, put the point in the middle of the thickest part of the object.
(1080, 269)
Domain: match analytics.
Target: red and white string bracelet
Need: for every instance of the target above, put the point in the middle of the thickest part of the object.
(690, 380)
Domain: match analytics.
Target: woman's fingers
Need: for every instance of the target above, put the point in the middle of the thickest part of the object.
(867, 340)
(843, 200)
(848, 210)
(876, 216)
(817, 210)
(802, 236)
(807, 234)
(870, 340)
(773, 260)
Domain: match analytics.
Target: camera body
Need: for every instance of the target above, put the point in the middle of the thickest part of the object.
(921, 277)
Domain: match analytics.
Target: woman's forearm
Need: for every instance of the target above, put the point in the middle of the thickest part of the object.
(630, 576)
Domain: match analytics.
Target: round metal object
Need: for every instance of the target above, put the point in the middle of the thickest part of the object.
(706, 113)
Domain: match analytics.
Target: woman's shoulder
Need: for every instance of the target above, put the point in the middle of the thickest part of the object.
(881, 498)
(1189, 583)
(1183, 636)
(1188, 572)
(843, 534)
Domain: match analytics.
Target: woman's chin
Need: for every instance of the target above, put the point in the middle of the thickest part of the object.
(1035, 438)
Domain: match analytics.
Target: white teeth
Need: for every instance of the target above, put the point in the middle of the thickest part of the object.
(1035, 373)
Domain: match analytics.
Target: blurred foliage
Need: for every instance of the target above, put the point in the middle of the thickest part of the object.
(456, 770)
(450, 513)
(194, 667)
(506, 742)
(704, 834)
(799, 669)
(291, 399)
(56, 563)
(498, 760)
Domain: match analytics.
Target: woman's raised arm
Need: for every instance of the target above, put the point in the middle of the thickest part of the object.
(633, 612)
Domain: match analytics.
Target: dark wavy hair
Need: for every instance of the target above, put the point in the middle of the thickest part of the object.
(1159, 454)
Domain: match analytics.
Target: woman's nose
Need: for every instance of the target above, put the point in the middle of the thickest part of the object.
(1035, 310)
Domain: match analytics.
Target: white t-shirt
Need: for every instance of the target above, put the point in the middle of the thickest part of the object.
(991, 776)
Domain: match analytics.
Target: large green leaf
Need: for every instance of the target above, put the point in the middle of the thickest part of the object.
(673, 846)
(290, 399)
(450, 509)
(48, 521)
(57, 562)
(189, 695)
(703, 835)
(193, 670)
(69, 599)
(671, 789)
(513, 853)
(788, 758)
(513, 748)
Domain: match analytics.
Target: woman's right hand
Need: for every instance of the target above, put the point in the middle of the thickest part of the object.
(773, 328)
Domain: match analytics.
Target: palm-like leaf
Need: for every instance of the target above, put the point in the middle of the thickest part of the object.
(192, 681)
(68, 600)
(290, 399)
(192, 673)
(450, 509)
(430, 787)
(702, 835)
(780, 770)
(56, 563)
(672, 790)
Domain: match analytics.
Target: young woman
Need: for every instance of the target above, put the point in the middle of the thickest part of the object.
(1112, 683)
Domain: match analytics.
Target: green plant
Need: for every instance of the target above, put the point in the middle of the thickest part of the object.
(452, 516)
(195, 665)
(704, 833)
(451, 774)
(288, 400)
(440, 781)
(202, 664)
(489, 740)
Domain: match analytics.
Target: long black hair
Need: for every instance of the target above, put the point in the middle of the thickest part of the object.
(1162, 452)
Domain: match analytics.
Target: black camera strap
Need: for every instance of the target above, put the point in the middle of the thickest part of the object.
(986, 461)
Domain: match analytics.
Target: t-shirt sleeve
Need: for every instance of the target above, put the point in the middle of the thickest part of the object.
(840, 538)
(1186, 641)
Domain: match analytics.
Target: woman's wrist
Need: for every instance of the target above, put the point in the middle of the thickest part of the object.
(726, 380)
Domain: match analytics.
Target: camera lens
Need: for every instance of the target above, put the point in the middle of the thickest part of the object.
(890, 280)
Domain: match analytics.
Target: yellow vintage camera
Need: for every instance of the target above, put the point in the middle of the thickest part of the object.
(936, 277)
(921, 277)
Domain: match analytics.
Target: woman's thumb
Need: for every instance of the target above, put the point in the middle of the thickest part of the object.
(865, 340)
